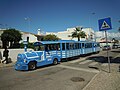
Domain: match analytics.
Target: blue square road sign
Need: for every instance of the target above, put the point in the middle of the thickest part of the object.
(105, 24)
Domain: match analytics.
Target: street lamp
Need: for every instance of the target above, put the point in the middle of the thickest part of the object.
(93, 35)
(28, 20)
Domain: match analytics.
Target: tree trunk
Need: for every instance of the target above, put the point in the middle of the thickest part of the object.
(11, 43)
(4, 44)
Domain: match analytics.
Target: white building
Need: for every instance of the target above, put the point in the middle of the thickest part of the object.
(26, 36)
(65, 35)
(100, 35)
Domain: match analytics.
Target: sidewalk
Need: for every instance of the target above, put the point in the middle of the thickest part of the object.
(104, 80)
(2, 65)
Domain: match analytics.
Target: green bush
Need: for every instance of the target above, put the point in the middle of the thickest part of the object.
(21, 45)
(30, 45)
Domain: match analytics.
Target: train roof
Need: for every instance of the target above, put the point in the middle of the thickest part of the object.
(52, 42)
(60, 41)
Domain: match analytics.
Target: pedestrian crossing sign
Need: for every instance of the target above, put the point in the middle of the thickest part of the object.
(104, 24)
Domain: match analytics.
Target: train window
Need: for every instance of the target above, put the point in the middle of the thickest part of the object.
(90, 45)
(52, 47)
(76, 45)
(83, 46)
(63, 46)
(39, 48)
(79, 45)
(55, 46)
(71, 45)
(86, 45)
(48, 47)
(67, 46)
(58, 46)
(36, 48)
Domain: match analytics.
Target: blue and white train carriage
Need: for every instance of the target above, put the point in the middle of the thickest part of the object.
(51, 52)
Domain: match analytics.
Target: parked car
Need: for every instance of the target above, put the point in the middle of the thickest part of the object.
(106, 47)
(115, 46)
(118, 46)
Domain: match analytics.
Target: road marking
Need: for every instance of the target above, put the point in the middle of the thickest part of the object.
(77, 60)
(93, 63)
(80, 69)
(86, 61)
(104, 64)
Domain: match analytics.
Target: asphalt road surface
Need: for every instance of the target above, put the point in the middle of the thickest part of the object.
(71, 75)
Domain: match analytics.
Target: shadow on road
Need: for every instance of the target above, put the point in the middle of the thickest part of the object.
(102, 59)
(115, 51)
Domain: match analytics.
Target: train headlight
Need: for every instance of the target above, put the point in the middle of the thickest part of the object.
(25, 61)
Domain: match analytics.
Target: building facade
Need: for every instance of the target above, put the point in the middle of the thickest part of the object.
(26, 36)
(66, 35)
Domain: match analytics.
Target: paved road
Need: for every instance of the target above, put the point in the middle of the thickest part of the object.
(50, 78)
(71, 75)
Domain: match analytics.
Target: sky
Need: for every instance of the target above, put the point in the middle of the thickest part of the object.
(57, 15)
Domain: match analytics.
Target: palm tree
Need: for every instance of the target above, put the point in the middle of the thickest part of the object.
(78, 33)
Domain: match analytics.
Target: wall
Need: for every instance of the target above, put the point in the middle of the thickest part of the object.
(12, 53)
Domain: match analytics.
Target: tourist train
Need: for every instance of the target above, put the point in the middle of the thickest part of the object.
(52, 52)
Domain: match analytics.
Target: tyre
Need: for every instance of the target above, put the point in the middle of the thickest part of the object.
(32, 66)
(55, 62)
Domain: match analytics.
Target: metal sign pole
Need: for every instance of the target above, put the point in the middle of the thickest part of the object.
(107, 52)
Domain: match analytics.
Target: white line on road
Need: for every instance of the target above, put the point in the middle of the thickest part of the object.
(104, 64)
(80, 69)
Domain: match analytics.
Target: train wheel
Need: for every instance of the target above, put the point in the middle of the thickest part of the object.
(32, 66)
(55, 62)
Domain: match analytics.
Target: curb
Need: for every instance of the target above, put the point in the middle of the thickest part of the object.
(7, 65)
(91, 81)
